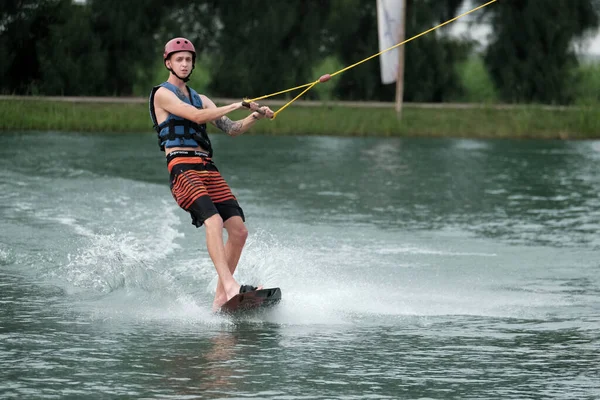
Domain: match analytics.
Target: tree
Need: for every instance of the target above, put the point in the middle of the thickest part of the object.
(71, 58)
(266, 49)
(126, 31)
(23, 24)
(100, 47)
(531, 57)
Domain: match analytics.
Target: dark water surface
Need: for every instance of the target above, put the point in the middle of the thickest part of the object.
(409, 268)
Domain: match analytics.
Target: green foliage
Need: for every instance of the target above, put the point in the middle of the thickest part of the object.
(531, 58)
(354, 30)
(23, 25)
(112, 47)
(488, 122)
(431, 74)
(58, 47)
(126, 30)
(266, 49)
(325, 91)
(476, 81)
(72, 64)
(430, 71)
(588, 83)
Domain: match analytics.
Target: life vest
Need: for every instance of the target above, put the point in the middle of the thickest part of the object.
(176, 131)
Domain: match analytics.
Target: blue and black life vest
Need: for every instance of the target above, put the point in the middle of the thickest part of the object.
(176, 131)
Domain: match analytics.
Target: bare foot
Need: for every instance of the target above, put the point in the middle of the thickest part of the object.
(232, 290)
(218, 302)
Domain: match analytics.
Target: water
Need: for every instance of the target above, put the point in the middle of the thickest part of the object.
(409, 269)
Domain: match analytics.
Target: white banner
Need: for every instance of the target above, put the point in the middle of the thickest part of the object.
(389, 14)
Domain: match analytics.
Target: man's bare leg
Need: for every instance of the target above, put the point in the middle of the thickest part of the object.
(216, 250)
(236, 239)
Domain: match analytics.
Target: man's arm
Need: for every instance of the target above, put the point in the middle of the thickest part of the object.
(169, 102)
(235, 128)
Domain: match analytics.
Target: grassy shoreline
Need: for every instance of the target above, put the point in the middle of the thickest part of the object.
(341, 120)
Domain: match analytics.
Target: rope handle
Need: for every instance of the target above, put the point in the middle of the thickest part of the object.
(247, 105)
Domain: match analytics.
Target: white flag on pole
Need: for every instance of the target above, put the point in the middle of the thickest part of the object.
(388, 27)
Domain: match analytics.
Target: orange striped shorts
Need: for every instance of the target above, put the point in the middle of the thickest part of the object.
(198, 187)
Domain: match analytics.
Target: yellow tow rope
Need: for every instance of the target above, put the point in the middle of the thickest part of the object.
(326, 77)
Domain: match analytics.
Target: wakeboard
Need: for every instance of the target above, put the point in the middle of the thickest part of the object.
(253, 300)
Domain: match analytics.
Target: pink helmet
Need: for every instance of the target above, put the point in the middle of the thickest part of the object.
(178, 44)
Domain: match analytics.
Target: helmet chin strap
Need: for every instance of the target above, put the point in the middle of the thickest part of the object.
(183, 79)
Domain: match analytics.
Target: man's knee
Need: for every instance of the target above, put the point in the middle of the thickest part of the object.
(214, 222)
(237, 232)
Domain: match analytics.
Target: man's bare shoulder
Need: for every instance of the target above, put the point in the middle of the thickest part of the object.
(162, 93)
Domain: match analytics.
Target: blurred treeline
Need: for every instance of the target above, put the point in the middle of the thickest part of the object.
(250, 48)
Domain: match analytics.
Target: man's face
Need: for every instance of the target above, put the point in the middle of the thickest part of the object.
(181, 62)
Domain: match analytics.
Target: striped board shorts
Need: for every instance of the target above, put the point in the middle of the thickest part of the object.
(198, 187)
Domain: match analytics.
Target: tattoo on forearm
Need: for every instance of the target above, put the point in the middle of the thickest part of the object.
(228, 126)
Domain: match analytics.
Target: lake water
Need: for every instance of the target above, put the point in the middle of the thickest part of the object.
(410, 268)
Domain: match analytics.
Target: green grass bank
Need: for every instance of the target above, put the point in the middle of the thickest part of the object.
(493, 121)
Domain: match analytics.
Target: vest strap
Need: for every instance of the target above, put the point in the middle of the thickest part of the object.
(199, 135)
